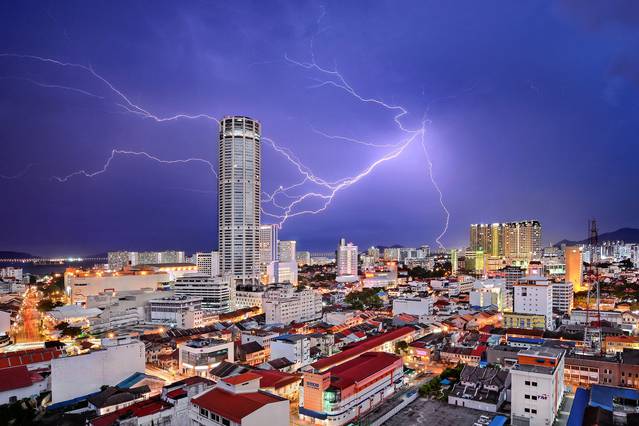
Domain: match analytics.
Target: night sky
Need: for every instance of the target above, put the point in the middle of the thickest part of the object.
(532, 112)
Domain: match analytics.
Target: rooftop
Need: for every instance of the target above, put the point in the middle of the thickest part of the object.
(361, 368)
(234, 406)
(361, 347)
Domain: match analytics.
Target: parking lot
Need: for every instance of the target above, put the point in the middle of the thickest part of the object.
(435, 413)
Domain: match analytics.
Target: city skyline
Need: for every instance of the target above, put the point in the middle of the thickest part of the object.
(559, 120)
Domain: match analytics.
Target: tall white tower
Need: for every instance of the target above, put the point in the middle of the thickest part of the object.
(239, 199)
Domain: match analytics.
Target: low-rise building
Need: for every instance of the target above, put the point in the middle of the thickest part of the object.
(178, 311)
(480, 388)
(413, 305)
(526, 321)
(294, 347)
(238, 401)
(345, 392)
(537, 386)
(198, 356)
(17, 383)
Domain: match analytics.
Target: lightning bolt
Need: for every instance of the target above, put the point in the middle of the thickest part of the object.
(18, 175)
(115, 152)
(329, 189)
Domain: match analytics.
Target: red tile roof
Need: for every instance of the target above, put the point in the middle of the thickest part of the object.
(177, 393)
(31, 356)
(14, 378)
(360, 368)
(241, 378)
(361, 347)
(140, 409)
(276, 379)
(234, 406)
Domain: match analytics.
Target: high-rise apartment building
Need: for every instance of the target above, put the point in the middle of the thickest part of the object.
(514, 240)
(268, 245)
(208, 263)
(346, 257)
(574, 267)
(239, 199)
(286, 251)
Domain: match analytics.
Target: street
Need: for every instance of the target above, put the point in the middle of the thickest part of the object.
(28, 328)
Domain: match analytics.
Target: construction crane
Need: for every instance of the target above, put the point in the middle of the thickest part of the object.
(593, 339)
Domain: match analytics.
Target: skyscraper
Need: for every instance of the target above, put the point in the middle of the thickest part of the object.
(239, 199)
(268, 245)
(574, 268)
(346, 258)
(514, 240)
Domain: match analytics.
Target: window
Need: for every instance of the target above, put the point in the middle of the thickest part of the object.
(534, 398)
(533, 411)
(527, 410)
(527, 382)
(527, 396)
(534, 383)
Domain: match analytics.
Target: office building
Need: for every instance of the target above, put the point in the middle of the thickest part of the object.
(282, 272)
(533, 295)
(208, 263)
(118, 260)
(283, 304)
(178, 311)
(344, 393)
(217, 293)
(574, 268)
(286, 251)
(537, 382)
(268, 245)
(239, 191)
(346, 257)
(198, 356)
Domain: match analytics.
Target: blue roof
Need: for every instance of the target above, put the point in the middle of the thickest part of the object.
(602, 396)
(445, 382)
(579, 405)
(131, 380)
(526, 340)
(498, 421)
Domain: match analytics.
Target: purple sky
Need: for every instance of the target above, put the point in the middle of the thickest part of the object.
(532, 112)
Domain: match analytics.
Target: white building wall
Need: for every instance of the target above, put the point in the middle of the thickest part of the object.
(76, 376)
(413, 306)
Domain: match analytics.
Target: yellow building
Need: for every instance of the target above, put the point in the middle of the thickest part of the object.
(616, 344)
(574, 268)
(528, 321)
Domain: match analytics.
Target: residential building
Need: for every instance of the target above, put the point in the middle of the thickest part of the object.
(198, 356)
(284, 303)
(346, 257)
(248, 298)
(480, 388)
(344, 393)
(238, 401)
(562, 296)
(239, 192)
(513, 240)
(488, 294)
(217, 293)
(537, 386)
(533, 295)
(208, 263)
(17, 383)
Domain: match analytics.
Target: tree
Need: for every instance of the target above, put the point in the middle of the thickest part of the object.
(72, 332)
(401, 347)
(365, 299)
(62, 325)
(46, 305)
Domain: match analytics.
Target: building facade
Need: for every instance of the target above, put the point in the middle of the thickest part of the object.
(217, 293)
(346, 258)
(239, 191)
